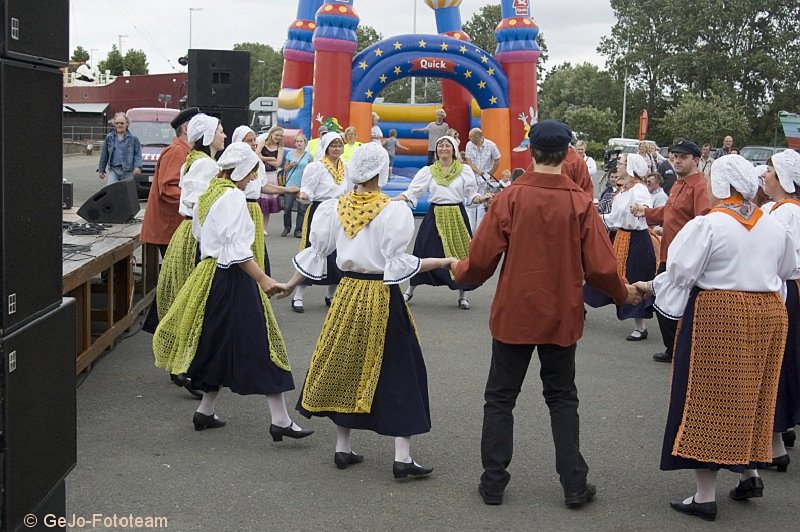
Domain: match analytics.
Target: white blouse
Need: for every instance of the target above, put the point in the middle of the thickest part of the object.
(318, 183)
(379, 248)
(462, 189)
(253, 189)
(789, 215)
(195, 182)
(620, 216)
(228, 232)
(716, 252)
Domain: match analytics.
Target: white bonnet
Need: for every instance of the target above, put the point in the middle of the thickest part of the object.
(239, 156)
(787, 168)
(452, 141)
(636, 165)
(240, 133)
(736, 171)
(369, 160)
(202, 126)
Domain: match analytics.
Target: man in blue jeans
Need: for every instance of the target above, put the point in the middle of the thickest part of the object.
(121, 154)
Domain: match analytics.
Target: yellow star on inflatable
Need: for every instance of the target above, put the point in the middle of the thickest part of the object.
(493, 100)
(398, 70)
(468, 74)
(444, 46)
(422, 43)
(378, 52)
(462, 49)
(484, 59)
(481, 84)
(362, 65)
(397, 45)
(383, 78)
(490, 72)
(368, 94)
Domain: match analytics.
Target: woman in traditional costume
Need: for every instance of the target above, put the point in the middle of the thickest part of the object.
(324, 179)
(367, 371)
(724, 275)
(636, 256)
(781, 182)
(444, 231)
(221, 330)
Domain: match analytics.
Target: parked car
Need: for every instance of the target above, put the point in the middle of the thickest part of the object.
(151, 126)
(759, 154)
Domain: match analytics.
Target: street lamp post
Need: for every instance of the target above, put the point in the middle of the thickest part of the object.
(413, 78)
(120, 37)
(192, 10)
(262, 75)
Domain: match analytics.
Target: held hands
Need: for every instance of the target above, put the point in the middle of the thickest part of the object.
(644, 288)
(454, 265)
(271, 287)
(637, 210)
(448, 263)
(634, 295)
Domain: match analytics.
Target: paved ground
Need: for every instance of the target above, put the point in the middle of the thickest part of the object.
(139, 455)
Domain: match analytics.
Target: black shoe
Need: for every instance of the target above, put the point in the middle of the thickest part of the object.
(179, 380)
(703, 510)
(328, 301)
(403, 470)
(285, 231)
(202, 421)
(746, 489)
(278, 433)
(573, 500)
(788, 438)
(197, 394)
(491, 500)
(298, 234)
(662, 357)
(780, 462)
(637, 336)
(342, 460)
(297, 306)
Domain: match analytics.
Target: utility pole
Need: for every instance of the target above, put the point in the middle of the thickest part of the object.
(413, 78)
(192, 10)
(120, 37)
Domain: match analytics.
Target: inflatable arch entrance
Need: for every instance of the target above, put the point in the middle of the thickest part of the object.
(323, 78)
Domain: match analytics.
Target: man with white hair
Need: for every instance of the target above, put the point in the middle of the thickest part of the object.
(121, 153)
(483, 157)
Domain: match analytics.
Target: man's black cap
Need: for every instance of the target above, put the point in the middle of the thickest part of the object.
(550, 136)
(183, 117)
(686, 146)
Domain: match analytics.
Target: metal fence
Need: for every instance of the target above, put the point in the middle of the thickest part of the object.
(86, 134)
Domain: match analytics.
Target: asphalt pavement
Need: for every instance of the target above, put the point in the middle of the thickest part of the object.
(138, 454)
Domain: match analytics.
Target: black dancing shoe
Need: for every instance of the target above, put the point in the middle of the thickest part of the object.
(703, 510)
(189, 387)
(179, 380)
(781, 463)
(574, 500)
(403, 470)
(297, 306)
(342, 460)
(278, 433)
(746, 489)
(491, 500)
(637, 336)
(202, 422)
(328, 301)
(788, 438)
(663, 357)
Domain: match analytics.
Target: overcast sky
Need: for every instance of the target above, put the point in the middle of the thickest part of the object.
(572, 28)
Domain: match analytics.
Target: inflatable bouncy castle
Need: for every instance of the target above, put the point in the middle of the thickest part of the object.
(323, 77)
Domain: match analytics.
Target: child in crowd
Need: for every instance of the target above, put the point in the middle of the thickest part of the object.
(391, 145)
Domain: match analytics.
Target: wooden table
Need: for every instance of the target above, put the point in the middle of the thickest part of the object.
(112, 281)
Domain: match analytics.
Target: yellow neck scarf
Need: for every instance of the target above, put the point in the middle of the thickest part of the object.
(336, 171)
(356, 211)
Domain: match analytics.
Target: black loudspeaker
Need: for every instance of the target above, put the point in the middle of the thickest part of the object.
(38, 434)
(35, 31)
(31, 171)
(219, 78)
(116, 203)
(229, 118)
(66, 195)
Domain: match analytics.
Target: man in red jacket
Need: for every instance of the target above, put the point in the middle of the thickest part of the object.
(552, 238)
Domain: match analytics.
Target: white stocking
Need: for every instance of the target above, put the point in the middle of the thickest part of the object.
(332, 290)
(208, 403)
(639, 324)
(343, 440)
(278, 412)
(299, 292)
(706, 486)
(778, 448)
(402, 450)
(410, 290)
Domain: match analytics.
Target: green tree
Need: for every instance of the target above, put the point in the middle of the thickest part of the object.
(135, 61)
(80, 55)
(367, 36)
(113, 62)
(592, 124)
(266, 68)
(585, 85)
(706, 119)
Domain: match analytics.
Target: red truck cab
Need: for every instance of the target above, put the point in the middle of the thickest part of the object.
(151, 126)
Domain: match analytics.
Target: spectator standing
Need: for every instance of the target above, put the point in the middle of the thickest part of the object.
(580, 147)
(727, 146)
(375, 133)
(350, 143)
(667, 172)
(435, 131)
(644, 151)
(121, 153)
(705, 160)
(296, 162)
(270, 151)
(657, 194)
(537, 305)
(313, 145)
(391, 146)
(483, 157)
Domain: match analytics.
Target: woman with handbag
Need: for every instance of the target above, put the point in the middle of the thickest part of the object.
(296, 162)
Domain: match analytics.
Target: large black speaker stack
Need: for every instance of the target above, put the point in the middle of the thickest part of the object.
(219, 84)
(37, 327)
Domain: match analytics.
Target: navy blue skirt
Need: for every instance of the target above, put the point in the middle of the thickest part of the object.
(787, 407)
(400, 406)
(429, 245)
(233, 350)
(677, 399)
(640, 266)
(334, 274)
